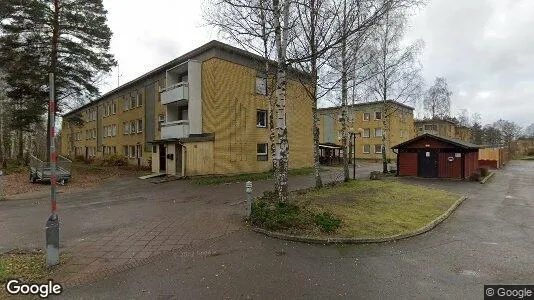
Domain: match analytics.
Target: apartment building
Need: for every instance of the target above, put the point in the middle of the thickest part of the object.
(367, 118)
(205, 112)
(443, 127)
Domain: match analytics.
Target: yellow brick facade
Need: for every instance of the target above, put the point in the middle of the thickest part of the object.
(229, 111)
(229, 116)
(363, 116)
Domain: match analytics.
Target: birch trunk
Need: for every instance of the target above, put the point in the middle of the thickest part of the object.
(281, 45)
(315, 129)
(344, 108)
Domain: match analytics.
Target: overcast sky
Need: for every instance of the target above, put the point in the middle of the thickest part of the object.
(485, 48)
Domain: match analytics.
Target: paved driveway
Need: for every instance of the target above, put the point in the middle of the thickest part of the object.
(490, 239)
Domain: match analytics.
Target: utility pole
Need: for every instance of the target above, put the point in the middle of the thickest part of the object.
(52, 224)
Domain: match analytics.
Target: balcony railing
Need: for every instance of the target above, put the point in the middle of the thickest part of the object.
(175, 92)
(175, 130)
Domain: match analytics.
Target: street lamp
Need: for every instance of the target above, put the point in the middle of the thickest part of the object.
(353, 148)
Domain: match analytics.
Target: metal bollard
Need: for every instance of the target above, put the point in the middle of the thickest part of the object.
(248, 189)
(1, 186)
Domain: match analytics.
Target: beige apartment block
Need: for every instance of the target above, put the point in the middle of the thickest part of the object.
(368, 118)
(205, 112)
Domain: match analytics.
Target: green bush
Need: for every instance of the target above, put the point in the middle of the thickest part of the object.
(327, 222)
(114, 160)
(279, 216)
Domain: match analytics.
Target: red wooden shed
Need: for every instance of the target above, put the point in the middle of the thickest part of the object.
(431, 156)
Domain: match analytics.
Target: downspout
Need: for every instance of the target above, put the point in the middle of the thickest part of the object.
(463, 164)
(398, 160)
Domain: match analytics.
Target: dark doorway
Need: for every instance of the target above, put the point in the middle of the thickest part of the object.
(162, 158)
(428, 164)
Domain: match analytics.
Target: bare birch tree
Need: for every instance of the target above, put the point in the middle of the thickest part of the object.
(437, 101)
(398, 71)
(249, 24)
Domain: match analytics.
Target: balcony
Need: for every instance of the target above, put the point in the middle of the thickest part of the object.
(175, 130)
(175, 93)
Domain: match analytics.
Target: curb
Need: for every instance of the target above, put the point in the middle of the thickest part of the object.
(325, 241)
(490, 175)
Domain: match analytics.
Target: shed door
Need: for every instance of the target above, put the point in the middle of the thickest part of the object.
(428, 164)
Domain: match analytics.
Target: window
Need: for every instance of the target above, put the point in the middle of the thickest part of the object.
(114, 108)
(261, 152)
(402, 133)
(378, 115)
(366, 133)
(114, 148)
(131, 153)
(133, 127)
(378, 132)
(261, 118)
(366, 148)
(139, 126)
(161, 118)
(126, 104)
(431, 127)
(114, 130)
(378, 148)
(94, 133)
(261, 85)
(126, 128)
(125, 150)
(138, 151)
(139, 99)
(366, 116)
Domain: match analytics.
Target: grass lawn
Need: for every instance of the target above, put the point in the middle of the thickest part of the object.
(528, 158)
(371, 209)
(28, 266)
(218, 179)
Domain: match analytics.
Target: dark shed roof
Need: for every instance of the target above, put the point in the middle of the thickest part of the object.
(455, 142)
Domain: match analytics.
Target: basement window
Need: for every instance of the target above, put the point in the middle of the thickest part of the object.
(261, 152)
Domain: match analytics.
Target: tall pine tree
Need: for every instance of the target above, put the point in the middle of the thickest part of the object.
(69, 38)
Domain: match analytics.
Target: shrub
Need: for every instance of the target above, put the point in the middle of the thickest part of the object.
(484, 172)
(327, 222)
(475, 176)
(279, 216)
(114, 160)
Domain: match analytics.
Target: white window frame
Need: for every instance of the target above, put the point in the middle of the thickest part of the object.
(381, 132)
(131, 151)
(114, 130)
(378, 152)
(368, 150)
(378, 112)
(368, 116)
(126, 128)
(262, 154)
(368, 135)
(265, 118)
(140, 126)
(261, 86)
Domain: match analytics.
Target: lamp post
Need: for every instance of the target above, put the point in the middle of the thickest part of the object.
(353, 148)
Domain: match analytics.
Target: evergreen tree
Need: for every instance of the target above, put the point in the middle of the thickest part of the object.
(69, 38)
